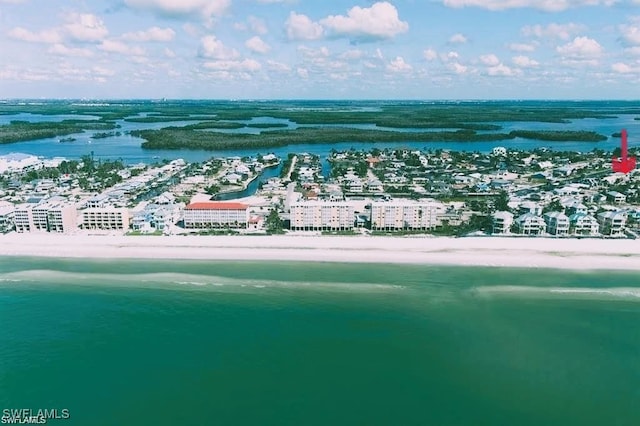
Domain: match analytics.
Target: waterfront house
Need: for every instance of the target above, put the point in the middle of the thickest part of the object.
(529, 224)
(612, 222)
(557, 223)
(502, 222)
(583, 224)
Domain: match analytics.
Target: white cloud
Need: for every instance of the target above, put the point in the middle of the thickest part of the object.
(581, 48)
(553, 30)
(429, 54)
(546, 5)
(458, 39)
(501, 70)
(523, 47)
(62, 50)
(303, 72)
(300, 27)
(44, 36)
(399, 65)
(115, 46)
(86, 27)
(169, 53)
(524, 61)
(257, 25)
(380, 21)
(490, 60)
(630, 35)
(352, 54)
(308, 52)
(245, 65)
(458, 68)
(206, 9)
(151, 34)
(449, 56)
(256, 44)
(278, 66)
(622, 68)
(212, 48)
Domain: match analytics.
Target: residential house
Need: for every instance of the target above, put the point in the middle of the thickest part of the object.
(557, 223)
(612, 223)
(584, 224)
(502, 222)
(530, 224)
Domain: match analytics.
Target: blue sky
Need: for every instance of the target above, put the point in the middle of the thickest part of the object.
(320, 49)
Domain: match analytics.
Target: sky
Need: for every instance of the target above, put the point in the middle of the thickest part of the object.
(320, 49)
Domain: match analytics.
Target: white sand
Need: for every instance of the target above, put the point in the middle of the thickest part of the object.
(512, 252)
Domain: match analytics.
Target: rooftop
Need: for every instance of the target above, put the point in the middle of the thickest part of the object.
(216, 206)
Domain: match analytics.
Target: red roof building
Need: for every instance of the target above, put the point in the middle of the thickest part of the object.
(212, 214)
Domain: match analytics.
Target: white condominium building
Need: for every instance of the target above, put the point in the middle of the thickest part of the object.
(322, 215)
(105, 219)
(213, 214)
(403, 214)
(46, 217)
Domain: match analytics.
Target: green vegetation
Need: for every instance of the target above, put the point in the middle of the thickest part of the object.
(267, 125)
(184, 137)
(558, 135)
(18, 131)
(442, 121)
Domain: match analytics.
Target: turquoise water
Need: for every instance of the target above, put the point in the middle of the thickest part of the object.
(253, 343)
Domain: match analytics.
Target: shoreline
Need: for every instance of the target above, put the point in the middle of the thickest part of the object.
(623, 255)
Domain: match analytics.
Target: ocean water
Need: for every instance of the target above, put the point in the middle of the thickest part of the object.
(256, 343)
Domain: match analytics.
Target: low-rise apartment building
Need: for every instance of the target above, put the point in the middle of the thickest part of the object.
(54, 216)
(105, 219)
(403, 214)
(211, 214)
(322, 215)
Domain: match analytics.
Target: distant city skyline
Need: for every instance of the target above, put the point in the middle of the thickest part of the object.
(334, 49)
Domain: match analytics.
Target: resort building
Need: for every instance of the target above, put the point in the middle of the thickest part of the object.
(612, 223)
(210, 214)
(502, 222)
(584, 224)
(105, 219)
(403, 214)
(557, 223)
(530, 224)
(322, 215)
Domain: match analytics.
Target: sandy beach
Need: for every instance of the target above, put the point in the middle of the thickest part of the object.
(587, 254)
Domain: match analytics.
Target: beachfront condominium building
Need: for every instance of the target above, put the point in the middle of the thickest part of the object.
(502, 222)
(53, 216)
(395, 215)
(105, 219)
(612, 223)
(557, 223)
(316, 215)
(211, 214)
